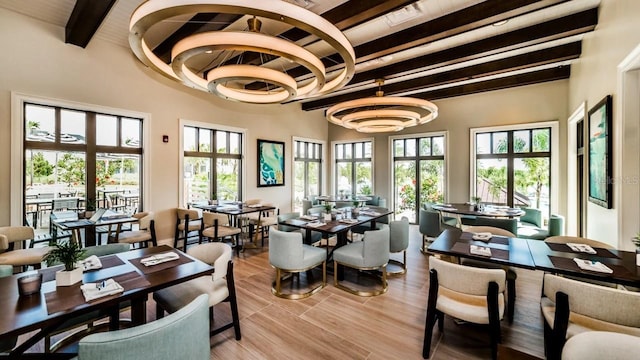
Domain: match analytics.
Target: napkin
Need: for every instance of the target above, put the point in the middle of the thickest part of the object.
(254, 205)
(593, 266)
(91, 263)
(482, 236)
(577, 247)
(348, 221)
(159, 258)
(308, 217)
(480, 250)
(92, 291)
(316, 224)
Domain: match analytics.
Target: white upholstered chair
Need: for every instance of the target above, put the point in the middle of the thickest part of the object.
(598, 345)
(467, 293)
(220, 286)
(571, 307)
(288, 254)
(9, 255)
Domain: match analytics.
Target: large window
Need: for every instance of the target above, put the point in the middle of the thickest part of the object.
(86, 157)
(418, 173)
(307, 167)
(212, 164)
(513, 166)
(353, 168)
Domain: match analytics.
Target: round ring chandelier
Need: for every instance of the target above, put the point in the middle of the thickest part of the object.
(382, 114)
(227, 81)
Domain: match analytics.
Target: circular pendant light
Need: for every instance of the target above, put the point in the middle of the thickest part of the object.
(227, 80)
(382, 114)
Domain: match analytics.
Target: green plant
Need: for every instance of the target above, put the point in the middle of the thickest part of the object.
(476, 199)
(328, 208)
(90, 204)
(68, 253)
(636, 240)
(356, 203)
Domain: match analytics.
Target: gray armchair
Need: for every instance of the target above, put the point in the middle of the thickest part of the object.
(372, 253)
(288, 254)
(181, 335)
(399, 242)
(429, 226)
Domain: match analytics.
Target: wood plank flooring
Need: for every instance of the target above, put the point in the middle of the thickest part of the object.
(334, 324)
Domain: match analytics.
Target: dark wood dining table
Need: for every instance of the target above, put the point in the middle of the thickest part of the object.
(52, 306)
(62, 221)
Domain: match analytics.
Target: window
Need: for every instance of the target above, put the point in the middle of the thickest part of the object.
(212, 164)
(353, 168)
(307, 168)
(418, 173)
(93, 157)
(513, 166)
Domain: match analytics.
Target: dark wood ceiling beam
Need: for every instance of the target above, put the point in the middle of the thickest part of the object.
(536, 77)
(551, 30)
(518, 62)
(467, 19)
(85, 19)
(211, 21)
(344, 16)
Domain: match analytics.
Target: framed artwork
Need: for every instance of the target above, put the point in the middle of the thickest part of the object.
(600, 151)
(270, 163)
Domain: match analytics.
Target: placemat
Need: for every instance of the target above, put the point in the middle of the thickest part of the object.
(568, 264)
(68, 297)
(565, 248)
(49, 274)
(501, 240)
(162, 266)
(463, 248)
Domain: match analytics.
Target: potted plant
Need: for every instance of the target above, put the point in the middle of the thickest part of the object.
(67, 253)
(214, 199)
(327, 209)
(476, 202)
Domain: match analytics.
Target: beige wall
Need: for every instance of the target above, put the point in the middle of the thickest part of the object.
(36, 61)
(593, 77)
(527, 104)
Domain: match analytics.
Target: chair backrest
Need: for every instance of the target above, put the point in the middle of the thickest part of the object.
(598, 302)
(7, 343)
(216, 254)
(429, 222)
(375, 200)
(399, 235)
(375, 249)
(252, 201)
(510, 225)
(467, 279)
(580, 240)
(183, 334)
(4, 242)
(556, 225)
(182, 214)
(210, 218)
(490, 229)
(285, 249)
(46, 195)
(16, 233)
(533, 216)
(65, 204)
(144, 219)
(315, 210)
(597, 345)
(285, 217)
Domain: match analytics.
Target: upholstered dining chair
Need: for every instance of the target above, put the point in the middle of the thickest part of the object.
(511, 225)
(187, 221)
(598, 345)
(372, 253)
(467, 293)
(220, 286)
(263, 222)
(429, 226)
(7, 344)
(217, 227)
(181, 335)
(288, 254)
(9, 255)
(145, 234)
(398, 243)
(570, 307)
(511, 273)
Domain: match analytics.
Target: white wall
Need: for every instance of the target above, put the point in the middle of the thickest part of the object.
(593, 77)
(36, 61)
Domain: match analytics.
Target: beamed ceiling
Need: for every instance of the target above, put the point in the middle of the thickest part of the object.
(430, 49)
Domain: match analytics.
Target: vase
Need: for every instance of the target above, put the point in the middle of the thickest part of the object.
(68, 278)
(327, 217)
(637, 257)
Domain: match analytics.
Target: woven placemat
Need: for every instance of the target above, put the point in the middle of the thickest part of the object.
(568, 264)
(500, 240)
(600, 252)
(68, 297)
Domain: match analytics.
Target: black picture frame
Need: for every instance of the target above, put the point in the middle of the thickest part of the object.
(600, 184)
(271, 164)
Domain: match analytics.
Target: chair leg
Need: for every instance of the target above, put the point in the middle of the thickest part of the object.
(233, 301)
(494, 318)
(511, 299)
(431, 314)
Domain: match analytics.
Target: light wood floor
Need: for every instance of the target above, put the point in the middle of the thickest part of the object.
(333, 324)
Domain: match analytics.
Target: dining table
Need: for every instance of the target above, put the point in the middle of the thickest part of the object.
(47, 309)
(68, 220)
(486, 210)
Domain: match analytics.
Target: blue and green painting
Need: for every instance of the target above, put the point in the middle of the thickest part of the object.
(271, 163)
(598, 155)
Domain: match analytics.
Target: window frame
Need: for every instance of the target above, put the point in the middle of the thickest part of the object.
(323, 156)
(18, 103)
(554, 148)
(334, 161)
(211, 126)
